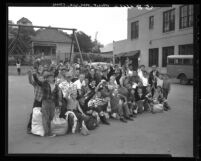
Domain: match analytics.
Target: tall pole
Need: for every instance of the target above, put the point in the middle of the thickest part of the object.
(113, 53)
(78, 47)
(71, 45)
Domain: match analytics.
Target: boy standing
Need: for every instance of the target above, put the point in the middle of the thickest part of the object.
(18, 64)
(166, 86)
(52, 97)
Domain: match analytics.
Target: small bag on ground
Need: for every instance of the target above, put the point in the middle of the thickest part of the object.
(37, 124)
(157, 108)
(59, 126)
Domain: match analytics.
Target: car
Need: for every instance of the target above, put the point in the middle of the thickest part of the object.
(99, 64)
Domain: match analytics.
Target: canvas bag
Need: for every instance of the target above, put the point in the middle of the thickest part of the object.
(157, 108)
(37, 124)
(59, 126)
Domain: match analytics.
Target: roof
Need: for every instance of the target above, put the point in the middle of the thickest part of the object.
(51, 35)
(122, 46)
(24, 20)
(107, 48)
(180, 56)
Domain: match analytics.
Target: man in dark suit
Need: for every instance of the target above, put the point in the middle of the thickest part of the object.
(152, 78)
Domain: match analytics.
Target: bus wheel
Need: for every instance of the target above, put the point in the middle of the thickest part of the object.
(183, 80)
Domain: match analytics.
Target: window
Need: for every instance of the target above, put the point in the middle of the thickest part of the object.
(180, 61)
(187, 61)
(153, 57)
(151, 22)
(171, 61)
(186, 16)
(169, 20)
(186, 49)
(134, 30)
(166, 52)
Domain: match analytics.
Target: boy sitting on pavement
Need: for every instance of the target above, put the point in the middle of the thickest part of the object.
(97, 107)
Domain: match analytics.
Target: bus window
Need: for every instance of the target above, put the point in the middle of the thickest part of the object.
(180, 61)
(176, 61)
(188, 61)
(171, 61)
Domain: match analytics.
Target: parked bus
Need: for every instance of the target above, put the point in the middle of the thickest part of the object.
(180, 67)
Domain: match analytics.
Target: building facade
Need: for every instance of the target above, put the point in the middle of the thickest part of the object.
(155, 34)
(107, 51)
(52, 43)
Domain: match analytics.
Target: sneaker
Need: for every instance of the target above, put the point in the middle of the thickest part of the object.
(106, 122)
(123, 120)
(129, 118)
(52, 135)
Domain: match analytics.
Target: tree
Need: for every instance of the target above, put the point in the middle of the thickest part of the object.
(96, 47)
(21, 45)
(84, 41)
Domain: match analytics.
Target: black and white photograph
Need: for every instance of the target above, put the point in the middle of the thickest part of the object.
(100, 79)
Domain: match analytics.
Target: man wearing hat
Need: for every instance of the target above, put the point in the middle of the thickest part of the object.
(52, 98)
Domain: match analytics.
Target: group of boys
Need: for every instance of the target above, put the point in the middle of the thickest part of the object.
(99, 92)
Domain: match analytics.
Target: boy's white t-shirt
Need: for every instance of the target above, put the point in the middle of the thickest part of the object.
(144, 81)
(159, 82)
(140, 74)
(79, 84)
(18, 65)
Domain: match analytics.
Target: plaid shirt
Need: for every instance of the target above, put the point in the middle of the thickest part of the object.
(37, 89)
(55, 95)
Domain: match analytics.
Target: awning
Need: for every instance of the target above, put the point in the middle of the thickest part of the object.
(120, 55)
(130, 53)
(106, 55)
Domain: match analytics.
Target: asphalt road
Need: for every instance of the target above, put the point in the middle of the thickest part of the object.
(169, 132)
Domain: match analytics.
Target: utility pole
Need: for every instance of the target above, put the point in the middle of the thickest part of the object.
(113, 52)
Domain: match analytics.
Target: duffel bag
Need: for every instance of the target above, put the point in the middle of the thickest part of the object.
(157, 108)
(91, 123)
(37, 124)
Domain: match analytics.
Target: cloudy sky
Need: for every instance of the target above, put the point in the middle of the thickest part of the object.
(109, 22)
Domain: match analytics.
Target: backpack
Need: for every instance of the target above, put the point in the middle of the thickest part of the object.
(91, 123)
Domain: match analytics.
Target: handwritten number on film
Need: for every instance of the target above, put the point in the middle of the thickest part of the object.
(139, 7)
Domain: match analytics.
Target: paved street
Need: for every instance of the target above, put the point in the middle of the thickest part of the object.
(164, 133)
